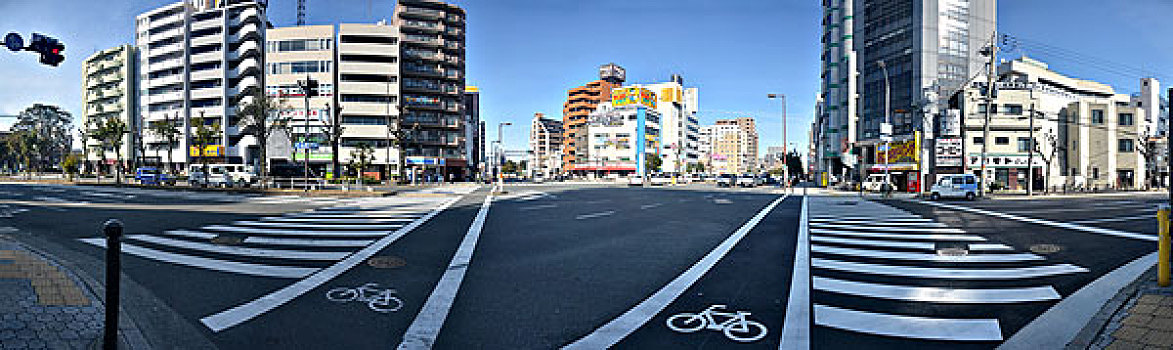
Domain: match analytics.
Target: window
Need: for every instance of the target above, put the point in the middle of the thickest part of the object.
(1126, 145)
(375, 143)
(1001, 140)
(364, 120)
(365, 39)
(1024, 144)
(1012, 109)
(299, 45)
(957, 180)
(979, 140)
(369, 58)
(1126, 119)
(299, 67)
(367, 78)
(981, 108)
(1095, 173)
(368, 98)
(970, 180)
(1097, 116)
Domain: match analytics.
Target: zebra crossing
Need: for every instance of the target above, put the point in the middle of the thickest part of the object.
(882, 271)
(292, 245)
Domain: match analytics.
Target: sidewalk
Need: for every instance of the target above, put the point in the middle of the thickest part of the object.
(46, 306)
(1139, 317)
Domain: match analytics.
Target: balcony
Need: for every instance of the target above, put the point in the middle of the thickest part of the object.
(427, 26)
(454, 32)
(422, 13)
(453, 45)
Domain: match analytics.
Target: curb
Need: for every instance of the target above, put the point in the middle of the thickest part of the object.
(1096, 325)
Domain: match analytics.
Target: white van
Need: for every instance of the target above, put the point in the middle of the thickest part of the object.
(875, 182)
(221, 175)
(955, 186)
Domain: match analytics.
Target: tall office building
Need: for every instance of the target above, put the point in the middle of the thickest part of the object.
(198, 60)
(580, 103)
(836, 119)
(110, 91)
(680, 130)
(472, 120)
(432, 51)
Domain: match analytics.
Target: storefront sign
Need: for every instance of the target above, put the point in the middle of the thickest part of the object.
(901, 152)
(633, 96)
(974, 161)
(948, 152)
(416, 160)
(209, 151)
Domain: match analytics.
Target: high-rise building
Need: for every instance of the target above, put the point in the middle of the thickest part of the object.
(580, 103)
(735, 146)
(472, 120)
(678, 107)
(110, 91)
(545, 146)
(432, 53)
(198, 60)
(837, 119)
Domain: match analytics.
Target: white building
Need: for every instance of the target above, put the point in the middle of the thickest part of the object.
(623, 138)
(110, 90)
(200, 59)
(545, 146)
(1155, 107)
(677, 106)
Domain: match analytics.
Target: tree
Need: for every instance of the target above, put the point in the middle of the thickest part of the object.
(84, 134)
(261, 118)
(509, 167)
(695, 167)
(205, 135)
(111, 133)
(70, 164)
(361, 157)
(168, 131)
(794, 163)
(1054, 147)
(652, 163)
(51, 126)
(25, 147)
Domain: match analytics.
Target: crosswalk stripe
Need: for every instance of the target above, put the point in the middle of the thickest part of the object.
(190, 233)
(242, 251)
(209, 263)
(931, 237)
(988, 247)
(289, 225)
(881, 223)
(289, 232)
(947, 273)
(354, 243)
(876, 243)
(908, 219)
(881, 254)
(936, 294)
(351, 220)
(908, 326)
(881, 228)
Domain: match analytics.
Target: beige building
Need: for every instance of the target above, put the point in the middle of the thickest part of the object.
(109, 90)
(734, 146)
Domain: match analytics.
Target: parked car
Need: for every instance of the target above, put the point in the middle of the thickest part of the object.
(749, 180)
(726, 180)
(876, 182)
(660, 179)
(214, 177)
(152, 176)
(634, 180)
(955, 186)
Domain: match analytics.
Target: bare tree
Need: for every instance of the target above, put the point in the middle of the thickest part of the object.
(1049, 156)
(262, 118)
(168, 131)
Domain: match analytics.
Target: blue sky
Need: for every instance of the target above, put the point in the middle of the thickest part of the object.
(525, 54)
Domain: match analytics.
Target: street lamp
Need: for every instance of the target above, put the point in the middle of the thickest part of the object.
(785, 169)
(886, 136)
(500, 163)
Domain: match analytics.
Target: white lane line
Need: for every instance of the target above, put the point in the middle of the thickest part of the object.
(1092, 208)
(988, 247)
(796, 327)
(883, 254)
(209, 263)
(595, 215)
(880, 223)
(300, 242)
(908, 326)
(291, 225)
(1063, 225)
(1117, 219)
(617, 329)
(241, 251)
(291, 232)
(1055, 326)
(422, 332)
(936, 294)
(891, 229)
(350, 220)
(876, 243)
(948, 273)
(247, 311)
(536, 207)
(891, 218)
(927, 237)
(650, 206)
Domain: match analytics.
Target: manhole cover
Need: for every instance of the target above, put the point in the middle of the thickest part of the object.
(227, 240)
(386, 262)
(952, 252)
(1045, 248)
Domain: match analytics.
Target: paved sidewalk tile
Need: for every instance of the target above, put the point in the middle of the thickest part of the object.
(42, 305)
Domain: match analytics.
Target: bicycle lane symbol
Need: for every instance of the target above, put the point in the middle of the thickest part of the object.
(735, 325)
(383, 300)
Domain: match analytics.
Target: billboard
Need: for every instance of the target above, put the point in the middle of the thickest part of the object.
(209, 151)
(671, 94)
(632, 96)
(901, 152)
(948, 152)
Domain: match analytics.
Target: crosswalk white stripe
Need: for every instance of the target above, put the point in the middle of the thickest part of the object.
(988, 247)
(871, 219)
(291, 225)
(876, 243)
(936, 294)
(351, 220)
(1116, 219)
(1062, 225)
(290, 232)
(242, 251)
(948, 273)
(908, 326)
(209, 263)
(880, 223)
(353, 243)
(930, 237)
(890, 229)
(190, 233)
(883, 254)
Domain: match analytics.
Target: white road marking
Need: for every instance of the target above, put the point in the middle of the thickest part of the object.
(796, 327)
(351, 220)
(209, 263)
(935, 294)
(1063, 225)
(190, 233)
(908, 326)
(542, 206)
(930, 237)
(595, 215)
(722, 201)
(247, 311)
(291, 225)
(650, 206)
(1055, 326)
(891, 229)
(880, 223)
(620, 327)
(988, 247)
(948, 273)
(882, 254)
(422, 332)
(876, 243)
(887, 218)
(1117, 219)
(353, 243)
(241, 251)
(290, 232)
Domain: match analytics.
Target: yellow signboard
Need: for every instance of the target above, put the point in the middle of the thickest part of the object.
(632, 96)
(901, 152)
(671, 95)
(209, 151)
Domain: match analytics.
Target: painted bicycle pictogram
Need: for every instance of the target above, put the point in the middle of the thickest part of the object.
(378, 299)
(736, 325)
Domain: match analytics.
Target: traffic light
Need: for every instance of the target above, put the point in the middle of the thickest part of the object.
(49, 48)
(309, 87)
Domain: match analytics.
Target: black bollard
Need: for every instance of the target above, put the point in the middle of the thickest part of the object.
(113, 230)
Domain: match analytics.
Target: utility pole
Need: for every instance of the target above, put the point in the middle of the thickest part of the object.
(785, 165)
(886, 135)
(1030, 156)
(308, 89)
(993, 52)
(1169, 155)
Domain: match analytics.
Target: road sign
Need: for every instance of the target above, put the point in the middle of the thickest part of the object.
(304, 145)
(13, 42)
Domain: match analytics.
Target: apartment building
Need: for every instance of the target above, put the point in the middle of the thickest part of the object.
(294, 54)
(624, 134)
(110, 91)
(677, 106)
(432, 53)
(580, 103)
(736, 141)
(475, 150)
(545, 146)
(704, 147)
(197, 61)
(837, 120)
